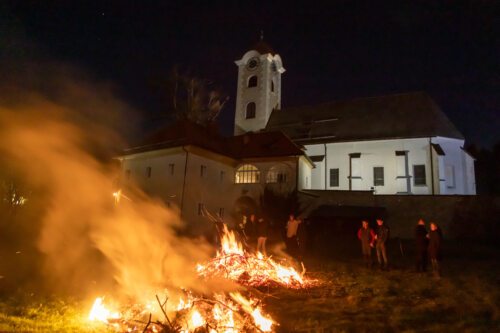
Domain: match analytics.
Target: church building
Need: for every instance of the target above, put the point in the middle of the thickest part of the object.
(400, 144)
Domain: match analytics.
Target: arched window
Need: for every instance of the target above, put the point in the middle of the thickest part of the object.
(276, 175)
(252, 81)
(272, 85)
(250, 113)
(247, 174)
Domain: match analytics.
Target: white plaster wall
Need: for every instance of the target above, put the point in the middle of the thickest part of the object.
(305, 174)
(380, 153)
(210, 190)
(463, 166)
(161, 184)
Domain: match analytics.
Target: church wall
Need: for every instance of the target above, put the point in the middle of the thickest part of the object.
(379, 153)
(452, 173)
(458, 167)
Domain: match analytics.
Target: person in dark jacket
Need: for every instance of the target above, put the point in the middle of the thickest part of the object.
(262, 229)
(366, 235)
(381, 236)
(421, 243)
(435, 243)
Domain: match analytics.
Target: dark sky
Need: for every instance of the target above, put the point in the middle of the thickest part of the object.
(345, 49)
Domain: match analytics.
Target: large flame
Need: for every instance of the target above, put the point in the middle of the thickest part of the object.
(251, 269)
(233, 313)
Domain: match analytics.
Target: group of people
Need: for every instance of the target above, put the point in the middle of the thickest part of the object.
(428, 245)
(259, 228)
(377, 239)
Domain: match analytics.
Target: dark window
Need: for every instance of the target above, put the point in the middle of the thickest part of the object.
(171, 168)
(148, 172)
(203, 170)
(334, 177)
(222, 176)
(419, 175)
(201, 208)
(250, 110)
(127, 174)
(252, 81)
(378, 176)
(272, 85)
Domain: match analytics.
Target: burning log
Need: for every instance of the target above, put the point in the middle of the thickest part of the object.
(229, 314)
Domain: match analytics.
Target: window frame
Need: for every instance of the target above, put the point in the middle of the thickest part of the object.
(247, 174)
(251, 113)
(415, 175)
(375, 176)
(253, 81)
(149, 171)
(337, 177)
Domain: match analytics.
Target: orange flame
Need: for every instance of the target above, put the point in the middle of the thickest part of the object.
(252, 269)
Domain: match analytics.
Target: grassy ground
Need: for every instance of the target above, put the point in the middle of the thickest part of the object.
(357, 299)
(352, 299)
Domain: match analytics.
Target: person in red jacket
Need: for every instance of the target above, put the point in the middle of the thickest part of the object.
(366, 235)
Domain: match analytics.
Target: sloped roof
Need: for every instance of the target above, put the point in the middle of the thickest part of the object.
(249, 145)
(408, 115)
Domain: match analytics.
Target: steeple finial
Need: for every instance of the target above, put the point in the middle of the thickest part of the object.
(262, 35)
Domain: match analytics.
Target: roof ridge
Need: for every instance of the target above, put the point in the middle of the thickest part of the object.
(415, 92)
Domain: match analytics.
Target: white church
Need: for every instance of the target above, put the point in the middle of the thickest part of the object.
(399, 144)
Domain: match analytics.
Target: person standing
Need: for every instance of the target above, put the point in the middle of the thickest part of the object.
(262, 228)
(421, 243)
(381, 236)
(291, 235)
(435, 243)
(366, 235)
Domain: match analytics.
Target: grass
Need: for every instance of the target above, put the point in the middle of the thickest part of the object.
(357, 299)
(28, 313)
(352, 299)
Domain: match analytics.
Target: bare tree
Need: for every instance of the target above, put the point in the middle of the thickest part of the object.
(193, 99)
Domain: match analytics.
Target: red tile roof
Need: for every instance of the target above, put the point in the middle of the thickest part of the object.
(248, 145)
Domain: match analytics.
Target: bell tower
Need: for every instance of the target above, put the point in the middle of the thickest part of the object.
(259, 88)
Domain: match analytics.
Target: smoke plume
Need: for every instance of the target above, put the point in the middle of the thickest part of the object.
(58, 130)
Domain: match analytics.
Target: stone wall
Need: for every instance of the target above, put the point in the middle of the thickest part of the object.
(457, 215)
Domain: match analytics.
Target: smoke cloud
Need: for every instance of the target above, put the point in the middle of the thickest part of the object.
(58, 130)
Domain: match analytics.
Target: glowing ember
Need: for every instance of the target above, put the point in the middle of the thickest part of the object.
(220, 314)
(250, 269)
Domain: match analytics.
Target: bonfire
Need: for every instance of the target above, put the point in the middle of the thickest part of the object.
(250, 269)
(221, 313)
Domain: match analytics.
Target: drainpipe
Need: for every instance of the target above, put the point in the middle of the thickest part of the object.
(350, 173)
(297, 175)
(184, 180)
(432, 166)
(326, 165)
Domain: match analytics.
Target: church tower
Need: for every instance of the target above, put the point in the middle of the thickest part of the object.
(259, 88)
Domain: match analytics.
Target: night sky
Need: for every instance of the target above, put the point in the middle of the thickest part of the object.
(343, 50)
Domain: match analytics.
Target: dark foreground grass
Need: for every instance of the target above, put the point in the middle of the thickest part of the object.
(351, 299)
(357, 299)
